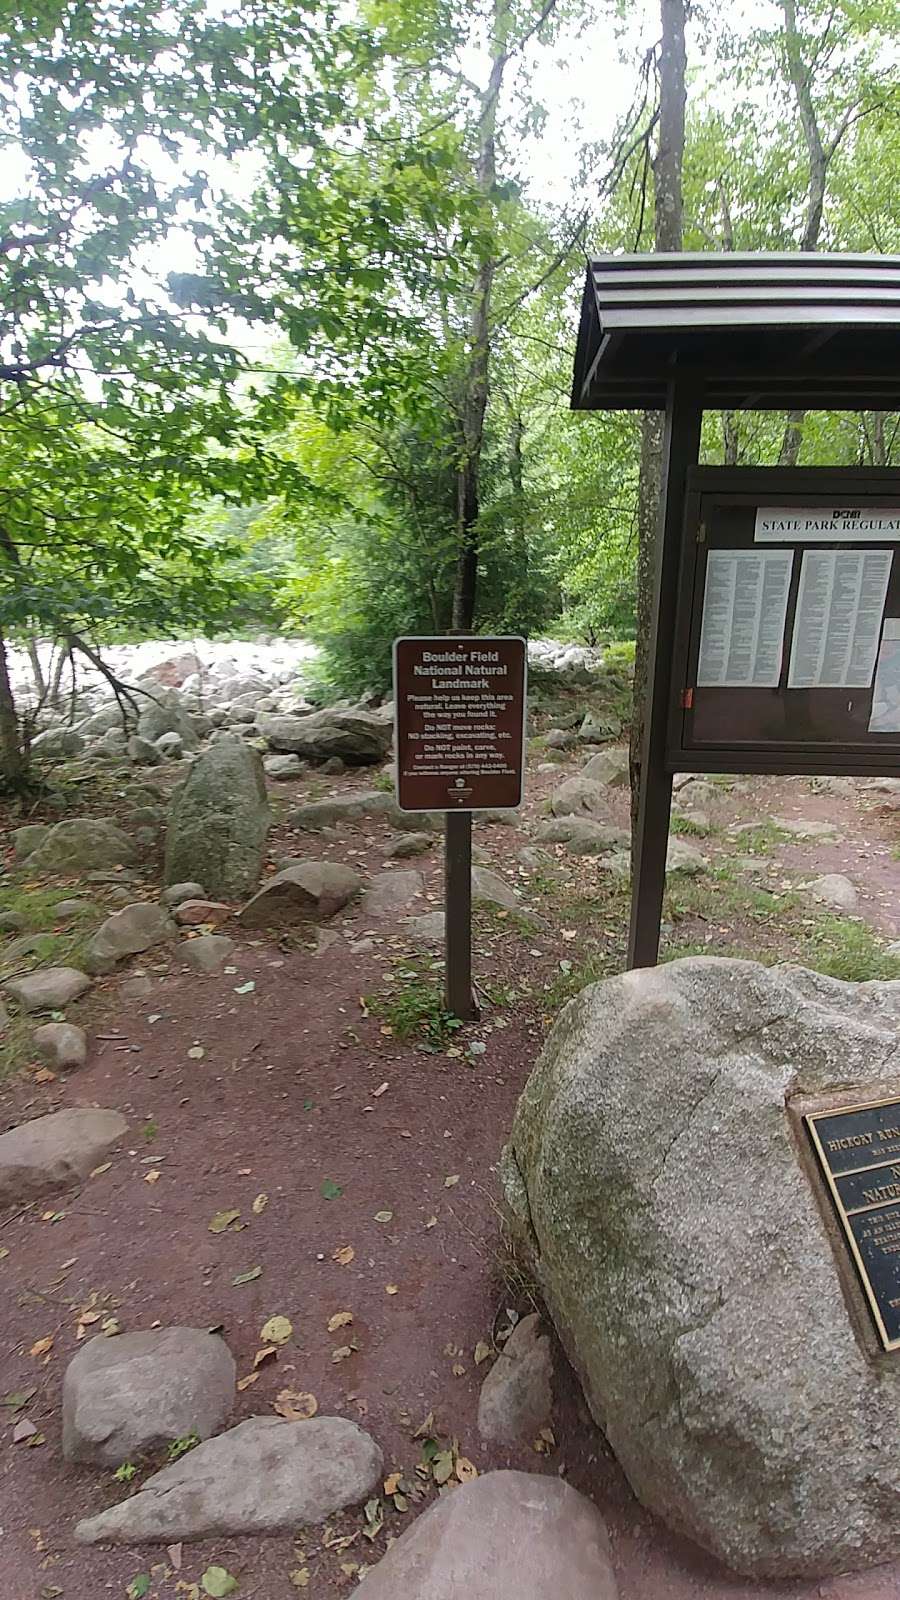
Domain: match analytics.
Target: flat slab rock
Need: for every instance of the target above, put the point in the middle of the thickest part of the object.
(516, 1397)
(311, 891)
(264, 1476)
(48, 990)
(505, 1536)
(55, 1152)
(138, 1391)
(390, 893)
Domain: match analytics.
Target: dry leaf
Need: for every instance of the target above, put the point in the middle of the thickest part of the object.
(244, 1383)
(98, 1170)
(453, 1179)
(466, 1470)
(391, 1288)
(264, 1354)
(173, 1551)
(295, 1405)
(458, 1370)
(343, 1255)
(392, 1483)
(259, 1204)
(374, 1515)
(223, 1220)
(41, 1346)
(384, 1216)
(341, 1319)
(44, 1075)
(277, 1330)
(342, 1352)
(153, 1176)
(442, 1466)
(426, 1428)
(545, 1442)
(300, 1577)
(431, 1223)
(482, 1352)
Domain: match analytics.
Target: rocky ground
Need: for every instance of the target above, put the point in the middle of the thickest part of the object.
(300, 1146)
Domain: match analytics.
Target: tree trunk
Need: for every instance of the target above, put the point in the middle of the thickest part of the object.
(668, 167)
(13, 757)
(63, 655)
(476, 375)
(40, 683)
(799, 74)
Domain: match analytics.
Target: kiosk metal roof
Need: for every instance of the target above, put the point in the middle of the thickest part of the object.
(751, 331)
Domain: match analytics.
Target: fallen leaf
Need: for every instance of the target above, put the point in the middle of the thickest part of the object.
(545, 1442)
(331, 1190)
(138, 1586)
(99, 1170)
(259, 1204)
(431, 1223)
(466, 1470)
(295, 1405)
(110, 1326)
(245, 988)
(384, 1216)
(453, 1179)
(343, 1255)
(18, 1398)
(44, 1075)
(216, 1582)
(244, 1383)
(3, 1252)
(391, 1288)
(276, 1331)
(196, 1052)
(374, 1515)
(300, 1577)
(23, 1430)
(482, 1352)
(153, 1176)
(247, 1277)
(267, 1351)
(191, 1591)
(442, 1466)
(41, 1346)
(223, 1220)
(392, 1483)
(36, 1439)
(425, 1428)
(342, 1352)
(341, 1319)
(173, 1551)
(458, 1370)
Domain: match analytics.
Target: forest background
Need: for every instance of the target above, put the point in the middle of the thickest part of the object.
(289, 292)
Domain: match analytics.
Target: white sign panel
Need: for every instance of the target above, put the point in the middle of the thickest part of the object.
(885, 716)
(744, 607)
(838, 623)
(826, 524)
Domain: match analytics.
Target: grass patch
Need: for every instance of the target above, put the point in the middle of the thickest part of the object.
(682, 823)
(761, 840)
(413, 1008)
(851, 950)
(42, 942)
(384, 781)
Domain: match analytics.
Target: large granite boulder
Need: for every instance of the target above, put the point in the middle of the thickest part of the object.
(165, 713)
(139, 1391)
(82, 844)
(654, 1177)
(356, 736)
(505, 1536)
(218, 822)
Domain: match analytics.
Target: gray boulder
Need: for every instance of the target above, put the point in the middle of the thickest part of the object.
(684, 857)
(654, 1178)
(579, 797)
(143, 752)
(582, 835)
(61, 1045)
(171, 745)
(81, 844)
(358, 737)
(311, 891)
(609, 767)
(48, 990)
(283, 767)
(166, 713)
(516, 1397)
(505, 1536)
(218, 822)
(172, 672)
(488, 888)
(835, 890)
(320, 814)
(264, 1476)
(207, 952)
(177, 893)
(427, 929)
(26, 839)
(57, 743)
(409, 844)
(390, 893)
(560, 739)
(13, 921)
(55, 1152)
(100, 722)
(133, 1393)
(136, 927)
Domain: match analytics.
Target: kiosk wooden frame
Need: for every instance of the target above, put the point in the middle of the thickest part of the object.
(687, 333)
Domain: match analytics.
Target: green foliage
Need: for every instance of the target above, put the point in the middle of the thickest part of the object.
(180, 1447)
(414, 1008)
(125, 1472)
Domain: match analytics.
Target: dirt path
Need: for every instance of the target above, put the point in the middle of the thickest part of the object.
(305, 1094)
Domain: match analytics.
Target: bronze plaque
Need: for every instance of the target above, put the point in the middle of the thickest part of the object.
(460, 722)
(859, 1152)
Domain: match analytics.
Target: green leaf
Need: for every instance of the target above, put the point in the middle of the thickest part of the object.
(18, 1398)
(223, 1220)
(138, 1586)
(216, 1582)
(331, 1190)
(247, 1277)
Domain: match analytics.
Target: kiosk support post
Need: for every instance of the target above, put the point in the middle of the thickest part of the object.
(458, 914)
(681, 449)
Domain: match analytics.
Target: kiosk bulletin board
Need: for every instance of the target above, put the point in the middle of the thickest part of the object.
(787, 634)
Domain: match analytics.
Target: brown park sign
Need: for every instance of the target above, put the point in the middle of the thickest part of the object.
(460, 710)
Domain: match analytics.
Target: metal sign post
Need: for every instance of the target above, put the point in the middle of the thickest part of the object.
(460, 736)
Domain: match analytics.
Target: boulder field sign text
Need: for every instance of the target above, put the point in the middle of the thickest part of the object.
(460, 710)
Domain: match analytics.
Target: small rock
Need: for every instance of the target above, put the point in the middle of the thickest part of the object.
(285, 766)
(131, 1394)
(173, 672)
(57, 743)
(179, 892)
(427, 929)
(311, 891)
(192, 913)
(516, 1398)
(65, 910)
(143, 752)
(834, 889)
(55, 1152)
(826, 831)
(25, 840)
(127, 932)
(171, 745)
(489, 888)
(392, 892)
(697, 821)
(560, 739)
(410, 844)
(582, 835)
(12, 921)
(609, 767)
(207, 952)
(333, 767)
(684, 858)
(499, 817)
(139, 987)
(82, 844)
(506, 1536)
(61, 1044)
(49, 990)
(596, 730)
(264, 1476)
(532, 860)
(579, 797)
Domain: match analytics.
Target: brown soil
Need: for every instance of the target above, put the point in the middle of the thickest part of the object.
(302, 1087)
